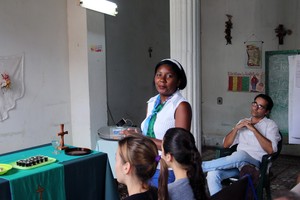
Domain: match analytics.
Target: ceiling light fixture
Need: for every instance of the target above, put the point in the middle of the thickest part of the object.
(103, 6)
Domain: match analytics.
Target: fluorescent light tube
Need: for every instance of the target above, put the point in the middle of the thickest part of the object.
(103, 6)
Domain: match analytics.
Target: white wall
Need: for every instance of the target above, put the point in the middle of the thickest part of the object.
(64, 81)
(249, 17)
(97, 76)
(41, 34)
(87, 74)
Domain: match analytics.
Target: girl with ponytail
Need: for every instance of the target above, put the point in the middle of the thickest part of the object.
(180, 153)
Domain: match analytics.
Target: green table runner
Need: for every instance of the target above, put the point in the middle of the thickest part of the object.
(60, 180)
(45, 181)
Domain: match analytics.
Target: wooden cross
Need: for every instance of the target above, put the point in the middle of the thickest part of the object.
(40, 190)
(61, 134)
(282, 32)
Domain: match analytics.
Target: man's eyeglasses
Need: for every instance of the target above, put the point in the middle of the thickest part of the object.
(259, 106)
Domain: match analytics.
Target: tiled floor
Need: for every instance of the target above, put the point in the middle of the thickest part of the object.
(284, 170)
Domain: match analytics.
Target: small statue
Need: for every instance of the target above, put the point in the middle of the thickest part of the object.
(281, 32)
(228, 27)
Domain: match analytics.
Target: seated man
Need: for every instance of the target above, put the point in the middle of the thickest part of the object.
(255, 136)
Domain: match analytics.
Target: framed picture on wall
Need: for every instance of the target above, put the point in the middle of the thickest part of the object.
(253, 54)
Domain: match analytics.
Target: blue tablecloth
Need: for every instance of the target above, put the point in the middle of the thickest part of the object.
(70, 177)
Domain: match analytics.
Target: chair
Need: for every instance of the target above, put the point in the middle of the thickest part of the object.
(264, 169)
(237, 190)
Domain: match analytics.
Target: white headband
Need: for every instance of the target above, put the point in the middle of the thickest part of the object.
(174, 61)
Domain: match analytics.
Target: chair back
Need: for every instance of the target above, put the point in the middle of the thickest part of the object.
(266, 163)
(279, 147)
(237, 190)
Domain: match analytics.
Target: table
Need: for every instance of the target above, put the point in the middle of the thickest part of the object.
(110, 147)
(70, 177)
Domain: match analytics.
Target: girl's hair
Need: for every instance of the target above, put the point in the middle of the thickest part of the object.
(180, 143)
(177, 68)
(141, 152)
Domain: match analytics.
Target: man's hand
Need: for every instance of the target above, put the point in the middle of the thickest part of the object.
(245, 123)
(229, 139)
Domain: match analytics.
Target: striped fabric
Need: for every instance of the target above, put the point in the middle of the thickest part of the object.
(238, 83)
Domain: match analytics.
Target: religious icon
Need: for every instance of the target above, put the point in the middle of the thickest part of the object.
(61, 134)
(253, 54)
(281, 32)
(254, 80)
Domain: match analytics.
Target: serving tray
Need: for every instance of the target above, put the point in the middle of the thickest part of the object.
(49, 161)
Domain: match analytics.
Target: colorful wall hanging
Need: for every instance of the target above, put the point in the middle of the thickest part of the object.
(11, 82)
(246, 82)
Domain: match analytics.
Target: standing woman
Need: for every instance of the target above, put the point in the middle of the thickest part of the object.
(168, 108)
(136, 161)
(179, 152)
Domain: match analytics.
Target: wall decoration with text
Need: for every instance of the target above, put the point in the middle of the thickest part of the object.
(246, 82)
